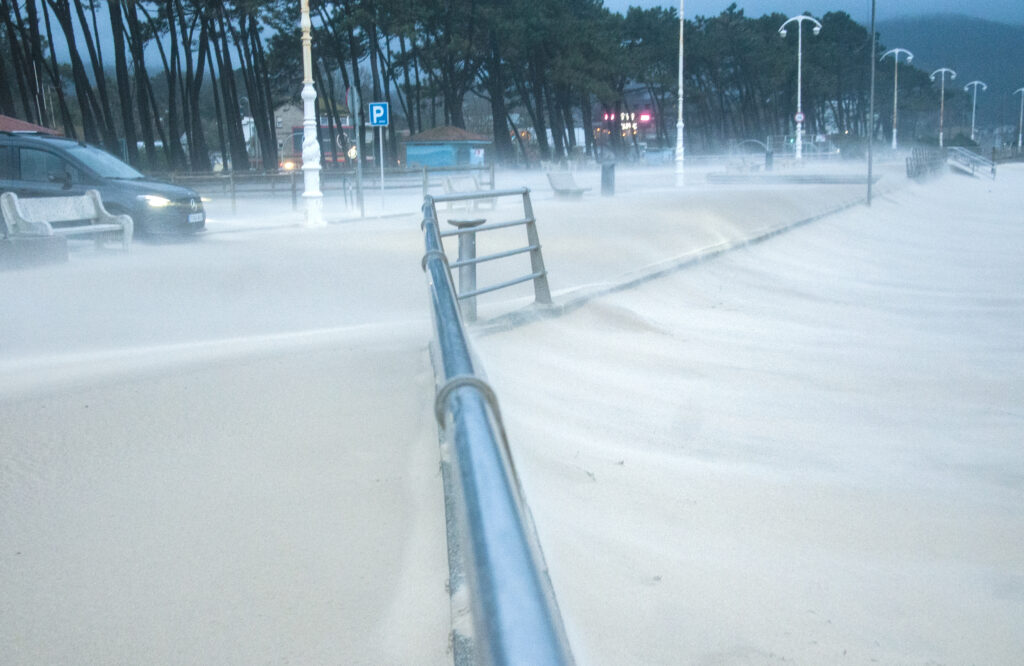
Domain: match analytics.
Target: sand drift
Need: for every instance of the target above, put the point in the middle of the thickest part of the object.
(809, 450)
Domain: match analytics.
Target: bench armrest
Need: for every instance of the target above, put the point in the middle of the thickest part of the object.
(16, 221)
(103, 216)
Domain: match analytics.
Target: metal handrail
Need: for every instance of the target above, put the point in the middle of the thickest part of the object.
(969, 159)
(495, 256)
(488, 227)
(502, 285)
(468, 260)
(515, 615)
(489, 194)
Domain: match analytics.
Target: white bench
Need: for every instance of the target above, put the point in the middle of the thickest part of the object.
(36, 217)
(467, 185)
(564, 185)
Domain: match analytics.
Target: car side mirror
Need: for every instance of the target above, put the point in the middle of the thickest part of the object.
(63, 178)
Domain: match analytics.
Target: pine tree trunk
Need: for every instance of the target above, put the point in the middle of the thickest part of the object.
(123, 81)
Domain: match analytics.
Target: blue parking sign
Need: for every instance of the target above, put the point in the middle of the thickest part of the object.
(379, 114)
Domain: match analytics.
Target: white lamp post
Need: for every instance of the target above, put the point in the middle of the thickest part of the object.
(942, 71)
(1020, 126)
(799, 75)
(974, 105)
(310, 146)
(680, 173)
(871, 103)
(895, 85)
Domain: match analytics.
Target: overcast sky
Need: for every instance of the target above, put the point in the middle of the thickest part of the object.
(1007, 11)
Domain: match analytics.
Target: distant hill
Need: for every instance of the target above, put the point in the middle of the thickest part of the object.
(975, 48)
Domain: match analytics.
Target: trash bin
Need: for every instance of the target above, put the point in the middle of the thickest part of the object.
(608, 179)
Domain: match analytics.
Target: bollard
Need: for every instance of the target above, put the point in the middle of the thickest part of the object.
(608, 179)
(467, 263)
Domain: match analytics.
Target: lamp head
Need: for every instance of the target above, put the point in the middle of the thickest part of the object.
(817, 29)
(910, 56)
(783, 32)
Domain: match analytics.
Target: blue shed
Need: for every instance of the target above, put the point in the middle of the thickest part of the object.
(446, 146)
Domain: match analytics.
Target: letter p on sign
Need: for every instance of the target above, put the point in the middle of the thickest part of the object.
(379, 115)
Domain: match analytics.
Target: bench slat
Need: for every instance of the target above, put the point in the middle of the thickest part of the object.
(58, 209)
(85, 229)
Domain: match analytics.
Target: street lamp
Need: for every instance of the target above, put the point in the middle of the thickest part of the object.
(895, 84)
(680, 174)
(310, 145)
(871, 103)
(974, 106)
(942, 71)
(1020, 126)
(799, 74)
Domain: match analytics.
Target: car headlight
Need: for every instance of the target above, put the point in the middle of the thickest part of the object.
(155, 201)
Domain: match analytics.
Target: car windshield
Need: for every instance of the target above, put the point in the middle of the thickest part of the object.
(103, 163)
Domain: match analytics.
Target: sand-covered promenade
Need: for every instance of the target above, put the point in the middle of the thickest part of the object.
(806, 450)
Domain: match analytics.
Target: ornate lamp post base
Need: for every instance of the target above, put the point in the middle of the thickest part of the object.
(311, 160)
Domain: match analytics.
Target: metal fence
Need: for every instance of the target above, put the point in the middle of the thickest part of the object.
(286, 183)
(497, 558)
(925, 161)
(233, 185)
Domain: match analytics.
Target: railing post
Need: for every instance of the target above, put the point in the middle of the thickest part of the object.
(295, 192)
(426, 183)
(467, 268)
(231, 182)
(542, 293)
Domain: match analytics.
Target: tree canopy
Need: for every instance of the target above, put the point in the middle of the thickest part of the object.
(530, 73)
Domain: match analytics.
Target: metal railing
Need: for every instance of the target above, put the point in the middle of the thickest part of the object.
(1010, 153)
(925, 161)
(514, 613)
(468, 261)
(235, 185)
(969, 161)
(240, 184)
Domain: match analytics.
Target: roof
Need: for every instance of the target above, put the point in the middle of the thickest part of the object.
(8, 124)
(446, 134)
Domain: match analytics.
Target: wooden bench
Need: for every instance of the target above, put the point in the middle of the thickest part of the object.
(564, 185)
(36, 216)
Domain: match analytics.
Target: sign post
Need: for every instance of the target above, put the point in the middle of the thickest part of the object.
(380, 117)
